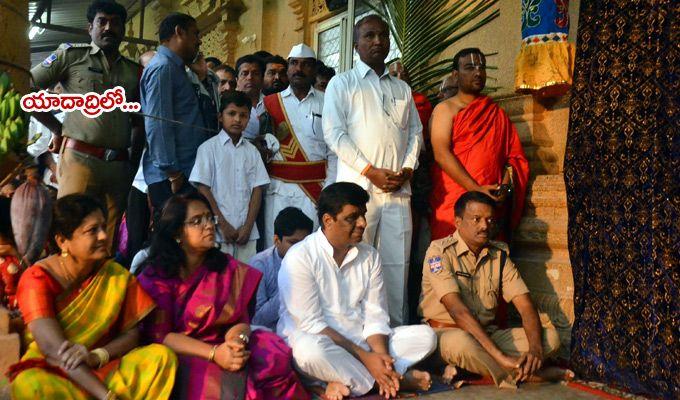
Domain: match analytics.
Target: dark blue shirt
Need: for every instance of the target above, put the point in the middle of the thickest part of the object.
(166, 92)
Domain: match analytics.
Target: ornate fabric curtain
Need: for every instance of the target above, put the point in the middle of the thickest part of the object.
(622, 171)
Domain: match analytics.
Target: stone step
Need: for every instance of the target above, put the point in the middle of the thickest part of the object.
(544, 255)
(548, 182)
(547, 276)
(557, 213)
(536, 224)
(546, 198)
(540, 240)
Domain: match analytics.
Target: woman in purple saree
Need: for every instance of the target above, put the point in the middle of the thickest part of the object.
(204, 300)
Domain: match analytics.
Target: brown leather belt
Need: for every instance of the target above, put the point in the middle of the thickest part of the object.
(101, 153)
(438, 325)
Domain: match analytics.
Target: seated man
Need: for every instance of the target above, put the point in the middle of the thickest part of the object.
(334, 307)
(290, 227)
(463, 275)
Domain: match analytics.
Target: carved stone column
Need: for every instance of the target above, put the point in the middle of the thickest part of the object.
(539, 245)
(230, 26)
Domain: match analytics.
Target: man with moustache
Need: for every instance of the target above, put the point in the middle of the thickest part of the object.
(334, 307)
(464, 274)
(275, 76)
(250, 70)
(227, 77)
(371, 123)
(94, 152)
(304, 164)
(167, 93)
(476, 147)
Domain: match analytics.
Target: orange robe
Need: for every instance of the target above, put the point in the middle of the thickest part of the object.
(484, 141)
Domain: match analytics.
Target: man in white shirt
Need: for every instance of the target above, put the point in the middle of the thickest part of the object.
(304, 164)
(334, 309)
(250, 71)
(372, 125)
(230, 174)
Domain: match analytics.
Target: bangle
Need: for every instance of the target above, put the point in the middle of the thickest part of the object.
(103, 356)
(365, 170)
(211, 356)
(110, 395)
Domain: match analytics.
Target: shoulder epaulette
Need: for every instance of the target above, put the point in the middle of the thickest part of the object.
(444, 243)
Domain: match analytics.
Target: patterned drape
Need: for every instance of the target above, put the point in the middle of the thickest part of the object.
(545, 61)
(622, 171)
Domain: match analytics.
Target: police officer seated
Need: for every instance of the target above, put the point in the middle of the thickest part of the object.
(464, 274)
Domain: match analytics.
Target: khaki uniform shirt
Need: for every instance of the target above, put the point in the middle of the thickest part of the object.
(450, 267)
(83, 68)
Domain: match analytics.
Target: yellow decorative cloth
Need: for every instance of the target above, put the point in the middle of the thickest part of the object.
(545, 69)
(545, 62)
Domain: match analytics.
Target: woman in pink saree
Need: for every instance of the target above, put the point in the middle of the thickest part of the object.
(204, 300)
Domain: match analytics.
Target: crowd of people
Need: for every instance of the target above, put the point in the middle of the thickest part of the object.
(263, 249)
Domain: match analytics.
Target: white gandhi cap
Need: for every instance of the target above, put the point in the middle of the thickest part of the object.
(302, 51)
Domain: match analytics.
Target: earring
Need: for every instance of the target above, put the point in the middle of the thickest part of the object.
(64, 253)
(178, 241)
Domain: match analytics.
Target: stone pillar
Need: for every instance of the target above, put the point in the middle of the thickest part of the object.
(539, 245)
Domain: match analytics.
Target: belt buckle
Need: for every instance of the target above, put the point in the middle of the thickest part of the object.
(110, 155)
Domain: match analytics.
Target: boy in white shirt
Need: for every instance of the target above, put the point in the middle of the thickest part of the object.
(230, 173)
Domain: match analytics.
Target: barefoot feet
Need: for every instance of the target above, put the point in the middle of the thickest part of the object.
(416, 380)
(336, 391)
(449, 374)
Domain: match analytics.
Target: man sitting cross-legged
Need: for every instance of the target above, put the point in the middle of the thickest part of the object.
(463, 275)
(334, 308)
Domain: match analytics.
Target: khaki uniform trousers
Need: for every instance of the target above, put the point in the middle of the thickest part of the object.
(460, 349)
(107, 181)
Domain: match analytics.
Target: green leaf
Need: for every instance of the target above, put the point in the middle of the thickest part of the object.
(424, 29)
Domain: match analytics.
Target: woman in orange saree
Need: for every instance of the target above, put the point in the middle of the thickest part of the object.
(205, 300)
(82, 311)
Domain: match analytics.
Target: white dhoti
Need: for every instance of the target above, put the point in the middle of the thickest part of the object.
(320, 359)
(280, 195)
(389, 229)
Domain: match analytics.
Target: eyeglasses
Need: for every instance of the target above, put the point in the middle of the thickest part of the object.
(202, 221)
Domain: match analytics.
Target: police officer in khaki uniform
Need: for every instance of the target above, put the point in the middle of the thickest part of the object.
(94, 151)
(463, 275)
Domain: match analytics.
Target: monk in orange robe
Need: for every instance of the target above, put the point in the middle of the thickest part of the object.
(476, 147)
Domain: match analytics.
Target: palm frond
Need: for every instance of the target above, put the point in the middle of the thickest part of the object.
(423, 29)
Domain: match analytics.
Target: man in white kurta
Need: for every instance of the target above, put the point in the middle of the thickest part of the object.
(371, 123)
(302, 105)
(333, 304)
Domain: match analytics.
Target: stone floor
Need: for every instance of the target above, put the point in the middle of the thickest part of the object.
(553, 391)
